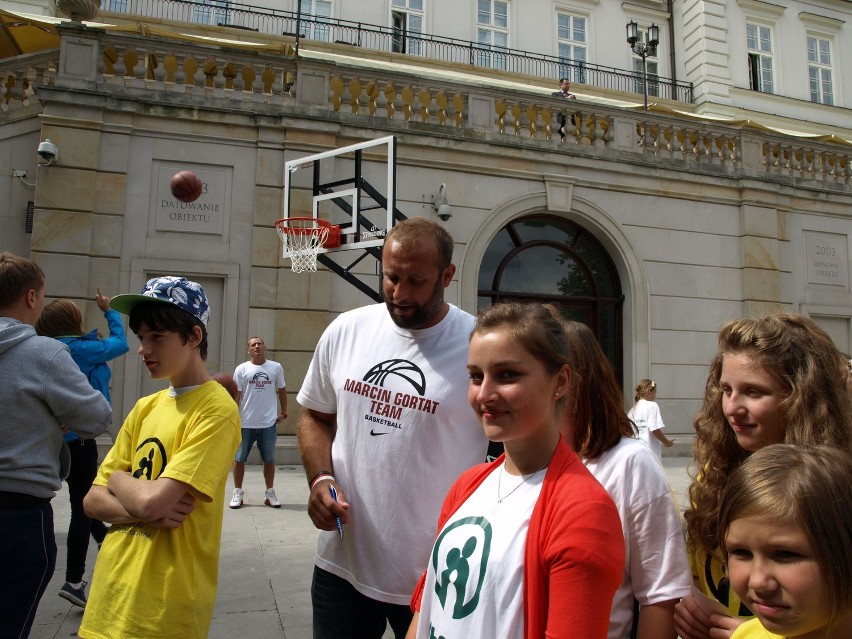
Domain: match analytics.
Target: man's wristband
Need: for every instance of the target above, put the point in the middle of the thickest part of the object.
(320, 476)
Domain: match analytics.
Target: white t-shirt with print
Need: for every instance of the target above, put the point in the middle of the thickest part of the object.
(258, 385)
(646, 416)
(475, 577)
(405, 432)
(656, 567)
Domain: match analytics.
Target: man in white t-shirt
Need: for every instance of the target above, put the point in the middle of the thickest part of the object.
(261, 387)
(386, 428)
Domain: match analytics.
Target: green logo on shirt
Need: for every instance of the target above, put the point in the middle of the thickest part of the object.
(463, 545)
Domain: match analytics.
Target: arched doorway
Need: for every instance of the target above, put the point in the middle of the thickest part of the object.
(544, 258)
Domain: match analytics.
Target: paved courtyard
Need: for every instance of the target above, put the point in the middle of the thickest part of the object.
(265, 567)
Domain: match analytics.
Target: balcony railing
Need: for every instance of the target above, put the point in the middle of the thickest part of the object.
(378, 38)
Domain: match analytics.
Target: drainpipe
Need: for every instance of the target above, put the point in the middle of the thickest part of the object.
(299, 24)
(672, 62)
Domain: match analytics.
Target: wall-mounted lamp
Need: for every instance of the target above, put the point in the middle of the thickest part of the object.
(440, 204)
(48, 152)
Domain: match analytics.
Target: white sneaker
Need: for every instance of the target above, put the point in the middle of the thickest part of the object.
(237, 499)
(271, 499)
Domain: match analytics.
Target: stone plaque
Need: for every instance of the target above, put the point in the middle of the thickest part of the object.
(827, 256)
(205, 215)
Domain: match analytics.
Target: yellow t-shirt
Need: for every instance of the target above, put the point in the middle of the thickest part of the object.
(752, 629)
(157, 582)
(713, 582)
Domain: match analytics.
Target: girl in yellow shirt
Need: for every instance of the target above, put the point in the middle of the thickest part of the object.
(786, 535)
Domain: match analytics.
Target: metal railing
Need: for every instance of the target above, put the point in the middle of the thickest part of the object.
(378, 38)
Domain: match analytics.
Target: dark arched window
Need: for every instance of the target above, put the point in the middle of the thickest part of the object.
(543, 258)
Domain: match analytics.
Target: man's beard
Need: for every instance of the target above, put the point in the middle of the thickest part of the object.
(423, 313)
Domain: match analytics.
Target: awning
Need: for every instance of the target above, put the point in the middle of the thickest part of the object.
(22, 33)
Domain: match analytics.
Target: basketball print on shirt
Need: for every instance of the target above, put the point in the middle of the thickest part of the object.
(394, 387)
(259, 381)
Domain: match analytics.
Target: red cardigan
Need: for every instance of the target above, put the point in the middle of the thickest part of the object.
(574, 556)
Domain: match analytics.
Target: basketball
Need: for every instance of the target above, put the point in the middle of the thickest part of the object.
(228, 383)
(186, 186)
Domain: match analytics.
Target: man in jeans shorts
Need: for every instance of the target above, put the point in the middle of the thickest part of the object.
(259, 381)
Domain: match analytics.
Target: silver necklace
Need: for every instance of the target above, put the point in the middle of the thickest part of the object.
(526, 478)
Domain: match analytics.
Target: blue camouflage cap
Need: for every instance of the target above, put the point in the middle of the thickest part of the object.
(179, 291)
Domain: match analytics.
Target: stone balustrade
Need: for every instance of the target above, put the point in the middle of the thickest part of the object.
(189, 70)
(398, 99)
(155, 67)
(807, 161)
(21, 75)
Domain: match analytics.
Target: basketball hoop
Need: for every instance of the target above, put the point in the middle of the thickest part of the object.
(303, 237)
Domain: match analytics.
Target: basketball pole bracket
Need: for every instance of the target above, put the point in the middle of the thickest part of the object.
(347, 274)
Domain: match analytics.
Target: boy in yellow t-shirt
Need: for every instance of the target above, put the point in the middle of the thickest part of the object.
(162, 486)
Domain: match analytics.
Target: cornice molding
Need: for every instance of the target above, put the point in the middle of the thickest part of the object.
(648, 13)
(761, 9)
(821, 22)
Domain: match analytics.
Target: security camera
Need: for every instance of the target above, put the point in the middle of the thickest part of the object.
(48, 151)
(440, 204)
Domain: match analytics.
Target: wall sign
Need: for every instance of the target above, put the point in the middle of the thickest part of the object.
(827, 258)
(205, 215)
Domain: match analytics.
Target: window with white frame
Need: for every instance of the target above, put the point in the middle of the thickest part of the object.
(652, 68)
(492, 32)
(407, 18)
(315, 15)
(760, 66)
(572, 46)
(819, 70)
(211, 12)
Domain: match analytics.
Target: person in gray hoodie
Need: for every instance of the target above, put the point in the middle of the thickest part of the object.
(43, 393)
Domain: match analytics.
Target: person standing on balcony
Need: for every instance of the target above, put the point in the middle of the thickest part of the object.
(564, 86)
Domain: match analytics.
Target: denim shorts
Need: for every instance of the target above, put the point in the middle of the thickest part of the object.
(265, 438)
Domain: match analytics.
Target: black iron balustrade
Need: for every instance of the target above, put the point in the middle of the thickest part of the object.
(378, 38)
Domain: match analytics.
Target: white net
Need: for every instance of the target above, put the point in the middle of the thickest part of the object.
(302, 238)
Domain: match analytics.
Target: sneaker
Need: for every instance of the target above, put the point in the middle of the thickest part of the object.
(272, 499)
(76, 596)
(237, 499)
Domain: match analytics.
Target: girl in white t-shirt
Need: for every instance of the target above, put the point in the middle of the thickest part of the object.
(529, 545)
(646, 415)
(786, 535)
(656, 571)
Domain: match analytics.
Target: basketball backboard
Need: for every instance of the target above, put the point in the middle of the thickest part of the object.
(353, 187)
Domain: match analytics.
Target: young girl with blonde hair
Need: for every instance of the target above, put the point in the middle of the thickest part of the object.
(646, 415)
(786, 534)
(774, 379)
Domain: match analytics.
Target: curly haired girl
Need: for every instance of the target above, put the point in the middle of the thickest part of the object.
(774, 379)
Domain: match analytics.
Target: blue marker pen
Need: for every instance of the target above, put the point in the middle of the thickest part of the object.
(334, 497)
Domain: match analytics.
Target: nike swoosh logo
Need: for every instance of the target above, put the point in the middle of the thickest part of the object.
(374, 433)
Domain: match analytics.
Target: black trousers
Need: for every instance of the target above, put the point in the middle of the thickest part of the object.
(28, 557)
(84, 468)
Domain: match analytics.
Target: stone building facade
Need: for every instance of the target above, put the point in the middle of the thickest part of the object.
(653, 226)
